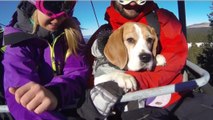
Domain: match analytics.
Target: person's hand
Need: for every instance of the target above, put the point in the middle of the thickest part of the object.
(34, 97)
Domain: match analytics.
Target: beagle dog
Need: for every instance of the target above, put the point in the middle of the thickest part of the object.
(133, 46)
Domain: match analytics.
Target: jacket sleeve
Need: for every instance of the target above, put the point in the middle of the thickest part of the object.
(173, 48)
(21, 68)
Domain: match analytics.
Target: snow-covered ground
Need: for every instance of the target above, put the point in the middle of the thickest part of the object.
(198, 44)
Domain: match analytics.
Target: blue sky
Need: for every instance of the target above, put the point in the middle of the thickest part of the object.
(196, 11)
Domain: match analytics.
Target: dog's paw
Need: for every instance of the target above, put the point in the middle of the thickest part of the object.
(161, 60)
(125, 81)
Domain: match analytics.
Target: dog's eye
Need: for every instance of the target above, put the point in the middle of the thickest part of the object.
(150, 40)
(130, 40)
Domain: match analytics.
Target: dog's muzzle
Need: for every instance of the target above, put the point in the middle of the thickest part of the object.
(145, 57)
(146, 61)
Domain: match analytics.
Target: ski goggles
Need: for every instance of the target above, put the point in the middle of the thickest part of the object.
(55, 9)
(125, 2)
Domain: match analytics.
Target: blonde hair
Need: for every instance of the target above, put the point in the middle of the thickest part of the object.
(71, 30)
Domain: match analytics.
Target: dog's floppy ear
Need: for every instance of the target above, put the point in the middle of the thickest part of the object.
(155, 44)
(115, 50)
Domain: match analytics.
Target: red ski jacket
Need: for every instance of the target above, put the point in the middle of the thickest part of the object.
(173, 48)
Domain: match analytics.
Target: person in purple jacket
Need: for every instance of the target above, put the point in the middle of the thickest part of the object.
(45, 68)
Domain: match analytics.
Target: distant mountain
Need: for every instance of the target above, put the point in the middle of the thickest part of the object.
(86, 38)
(199, 25)
(195, 33)
(198, 32)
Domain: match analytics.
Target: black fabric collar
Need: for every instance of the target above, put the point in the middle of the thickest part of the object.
(25, 26)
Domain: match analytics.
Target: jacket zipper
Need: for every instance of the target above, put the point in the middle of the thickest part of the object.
(56, 68)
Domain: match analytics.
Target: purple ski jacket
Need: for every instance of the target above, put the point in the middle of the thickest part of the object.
(36, 59)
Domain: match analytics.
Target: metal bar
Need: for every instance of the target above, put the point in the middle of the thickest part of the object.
(2, 24)
(182, 15)
(4, 109)
(168, 89)
(93, 8)
(142, 94)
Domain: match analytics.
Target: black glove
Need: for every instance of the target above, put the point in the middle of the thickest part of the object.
(100, 100)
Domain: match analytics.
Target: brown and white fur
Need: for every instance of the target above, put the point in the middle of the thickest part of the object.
(131, 47)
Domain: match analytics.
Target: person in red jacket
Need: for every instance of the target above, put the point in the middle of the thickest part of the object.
(173, 46)
(172, 40)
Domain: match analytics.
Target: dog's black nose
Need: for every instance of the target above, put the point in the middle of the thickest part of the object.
(145, 57)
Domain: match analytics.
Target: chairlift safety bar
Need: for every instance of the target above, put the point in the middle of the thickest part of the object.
(168, 89)
(4, 109)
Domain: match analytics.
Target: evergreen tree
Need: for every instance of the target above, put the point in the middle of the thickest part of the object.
(194, 51)
(211, 24)
(211, 16)
(205, 60)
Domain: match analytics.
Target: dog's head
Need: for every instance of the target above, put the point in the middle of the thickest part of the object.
(132, 46)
